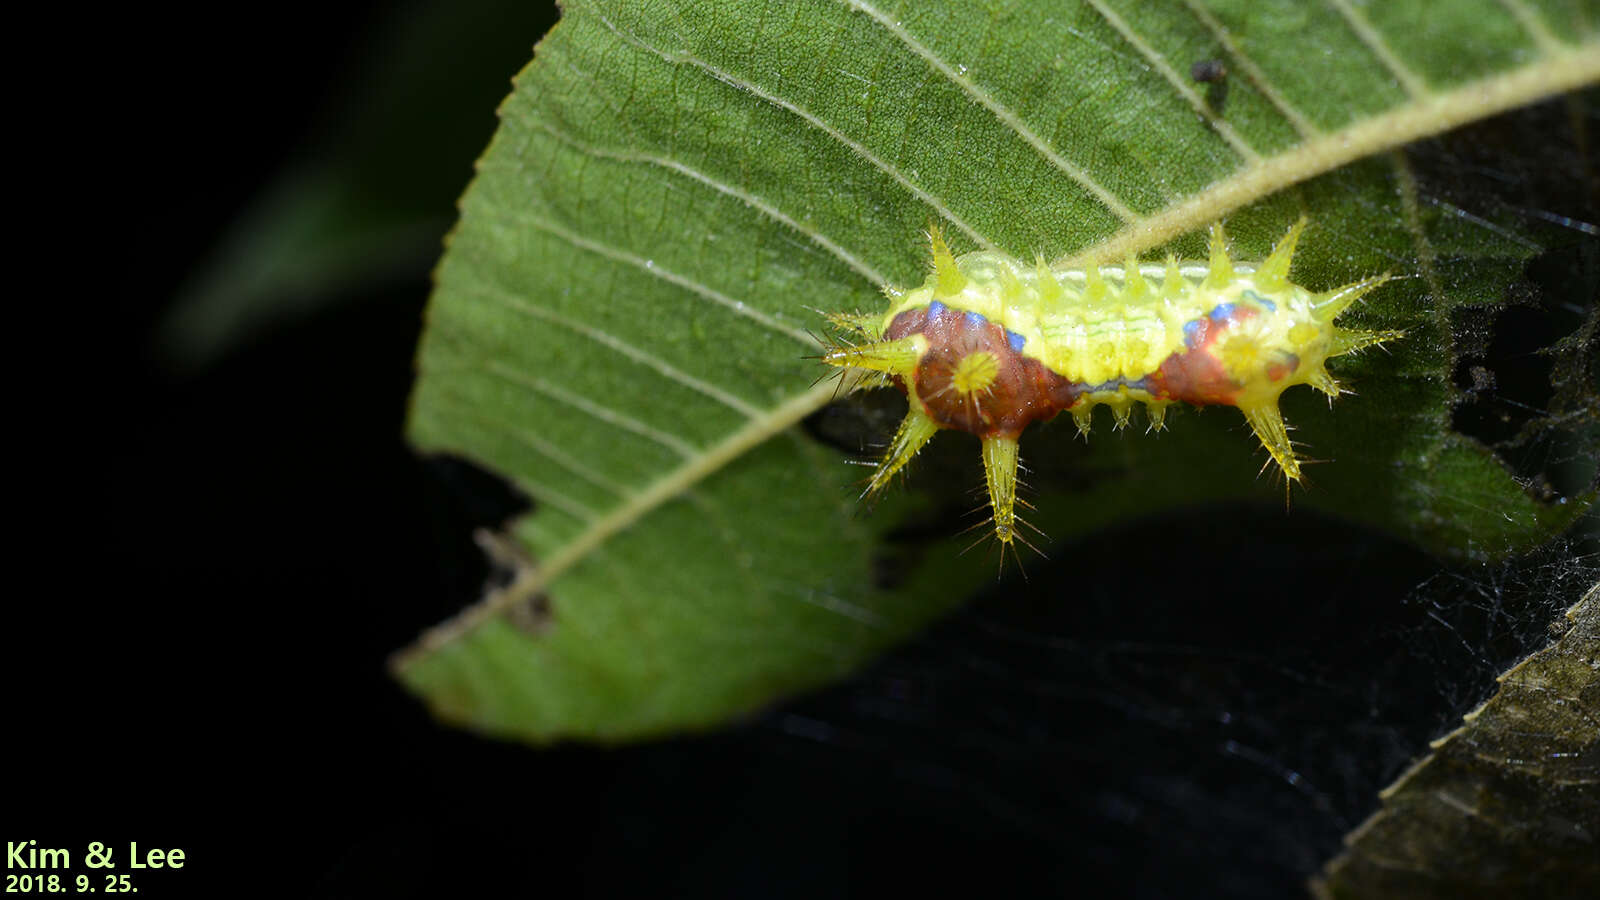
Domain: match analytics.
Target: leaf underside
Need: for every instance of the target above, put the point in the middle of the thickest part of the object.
(623, 316)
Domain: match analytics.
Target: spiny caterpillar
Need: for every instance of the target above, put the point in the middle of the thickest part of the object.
(989, 345)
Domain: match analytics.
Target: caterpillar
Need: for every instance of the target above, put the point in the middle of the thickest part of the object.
(989, 345)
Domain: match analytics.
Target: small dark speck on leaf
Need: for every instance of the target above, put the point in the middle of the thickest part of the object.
(1208, 71)
(1214, 74)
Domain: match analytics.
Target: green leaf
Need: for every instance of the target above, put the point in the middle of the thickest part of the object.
(676, 189)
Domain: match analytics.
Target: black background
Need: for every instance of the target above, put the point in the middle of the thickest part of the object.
(201, 664)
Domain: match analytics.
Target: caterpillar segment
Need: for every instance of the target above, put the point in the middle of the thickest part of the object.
(989, 344)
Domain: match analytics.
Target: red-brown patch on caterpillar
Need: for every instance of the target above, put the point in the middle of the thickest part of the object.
(1197, 376)
(1018, 392)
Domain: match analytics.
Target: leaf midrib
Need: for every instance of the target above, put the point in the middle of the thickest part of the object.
(1424, 117)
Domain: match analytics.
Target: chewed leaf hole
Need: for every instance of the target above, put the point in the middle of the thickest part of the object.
(1525, 376)
(862, 423)
(466, 500)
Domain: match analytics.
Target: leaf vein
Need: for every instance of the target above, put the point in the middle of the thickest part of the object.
(642, 357)
(1170, 75)
(1252, 72)
(1369, 35)
(655, 269)
(556, 500)
(589, 407)
(1006, 116)
(539, 445)
(1535, 26)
